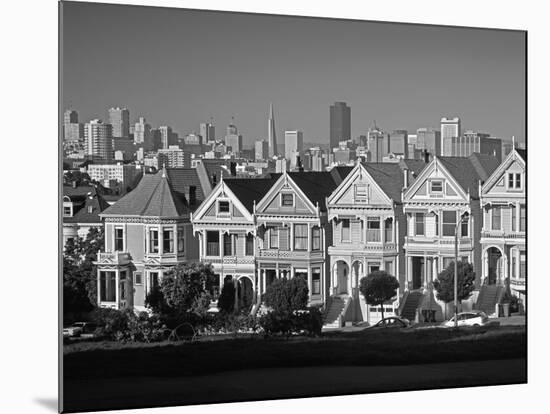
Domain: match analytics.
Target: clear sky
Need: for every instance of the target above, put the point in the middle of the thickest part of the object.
(178, 67)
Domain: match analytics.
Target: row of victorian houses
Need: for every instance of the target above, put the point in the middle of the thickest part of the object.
(331, 228)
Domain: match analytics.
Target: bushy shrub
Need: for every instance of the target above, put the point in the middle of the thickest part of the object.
(233, 323)
(287, 295)
(309, 322)
(125, 325)
(226, 301)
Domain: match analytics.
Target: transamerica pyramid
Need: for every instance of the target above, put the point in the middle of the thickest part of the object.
(271, 136)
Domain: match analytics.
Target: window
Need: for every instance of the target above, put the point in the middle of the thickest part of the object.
(181, 239)
(495, 222)
(168, 240)
(223, 207)
(345, 230)
(137, 278)
(436, 216)
(522, 265)
(315, 238)
(447, 262)
(316, 281)
(514, 267)
(153, 280)
(249, 245)
(464, 224)
(67, 211)
(119, 239)
(373, 229)
(361, 193)
(464, 259)
(227, 244)
(436, 186)
(449, 223)
(373, 266)
(300, 236)
(388, 228)
(388, 267)
(287, 199)
(522, 217)
(419, 224)
(122, 285)
(153, 241)
(212, 243)
(273, 238)
(514, 181)
(513, 214)
(107, 286)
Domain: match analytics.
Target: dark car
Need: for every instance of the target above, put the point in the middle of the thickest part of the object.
(393, 322)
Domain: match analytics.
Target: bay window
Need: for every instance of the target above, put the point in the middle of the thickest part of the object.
(345, 230)
(153, 241)
(119, 239)
(449, 223)
(249, 245)
(316, 281)
(388, 229)
(316, 238)
(464, 225)
(168, 240)
(522, 221)
(373, 229)
(181, 240)
(300, 236)
(107, 286)
(419, 224)
(496, 218)
(227, 244)
(212, 243)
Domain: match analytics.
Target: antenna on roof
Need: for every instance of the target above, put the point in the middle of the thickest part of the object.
(163, 170)
(513, 141)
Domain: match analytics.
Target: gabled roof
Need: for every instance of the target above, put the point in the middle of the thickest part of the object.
(468, 171)
(522, 153)
(340, 173)
(87, 208)
(388, 176)
(181, 179)
(248, 190)
(415, 166)
(316, 185)
(153, 197)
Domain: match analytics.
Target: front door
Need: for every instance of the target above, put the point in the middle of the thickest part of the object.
(417, 272)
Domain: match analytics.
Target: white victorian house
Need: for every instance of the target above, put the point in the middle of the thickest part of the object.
(504, 207)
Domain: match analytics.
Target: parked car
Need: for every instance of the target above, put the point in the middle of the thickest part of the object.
(474, 318)
(392, 322)
(80, 329)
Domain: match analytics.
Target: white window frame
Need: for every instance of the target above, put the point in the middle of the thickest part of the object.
(287, 194)
(360, 198)
(436, 193)
(514, 178)
(115, 228)
(223, 213)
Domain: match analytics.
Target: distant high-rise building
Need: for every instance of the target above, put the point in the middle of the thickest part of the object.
(398, 143)
(167, 137)
(233, 141)
(294, 146)
(119, 118)
(98, 140)
(271, 135)
(340, 123)
(142, 134)
(378, 144)
(207, 131)
(450, 128)
(174, 157)
(473, 141)
(70, 116)
(428, 139)
(261, 150)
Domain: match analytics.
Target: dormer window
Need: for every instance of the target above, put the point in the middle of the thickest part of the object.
(361, 193)
(514, 181)
(287, 199)
(67, 211)
(223, 207)
(436, 187)
(90, 209)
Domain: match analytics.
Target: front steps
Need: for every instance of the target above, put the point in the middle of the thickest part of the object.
(489, 295)
(412, 302)
(332, 315)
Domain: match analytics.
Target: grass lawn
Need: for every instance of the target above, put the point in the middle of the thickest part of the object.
(363, 348)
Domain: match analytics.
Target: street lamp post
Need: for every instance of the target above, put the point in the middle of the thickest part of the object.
(459, 222)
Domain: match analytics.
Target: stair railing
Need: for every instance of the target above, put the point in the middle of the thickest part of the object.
(402, 302)
(342, 315)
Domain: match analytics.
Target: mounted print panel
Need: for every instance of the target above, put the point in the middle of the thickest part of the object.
(229, 234)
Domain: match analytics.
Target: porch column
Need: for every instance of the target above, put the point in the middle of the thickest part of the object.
(350, 276)
(486, 264)
(505, 265)
(236, 284)
(382, 229)
(434, 267)
(262, 281)
(220, 244)
(117, 288)
(309, 281)
(408, 269)
(98, 287)
(425, 271)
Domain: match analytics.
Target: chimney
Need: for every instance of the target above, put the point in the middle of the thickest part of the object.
(214, 181)
(426, 157)
(233, 168)
(405, 178)
(192, 195)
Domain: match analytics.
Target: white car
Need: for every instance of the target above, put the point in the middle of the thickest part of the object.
(474, 318)
(84, 329)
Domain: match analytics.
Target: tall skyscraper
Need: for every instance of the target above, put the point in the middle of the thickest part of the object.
(294, 146)
(207, 131)
(119, 118)
(167, 137)
(271, 135)
(340, 123)
(450, 128)
(428, 139)
(378, 144)
(261, 150)
(70, 116)
(142, 134)
(98, 140)
(398, 143)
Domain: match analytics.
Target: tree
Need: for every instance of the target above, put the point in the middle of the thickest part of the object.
(285, 296)
(79, 272)
(378, 287)
(184, 286)
(444, 284)
(226, 301)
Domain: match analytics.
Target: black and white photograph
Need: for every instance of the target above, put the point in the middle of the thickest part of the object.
(261, 207)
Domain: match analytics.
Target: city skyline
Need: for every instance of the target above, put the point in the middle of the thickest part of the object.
(381, 70)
